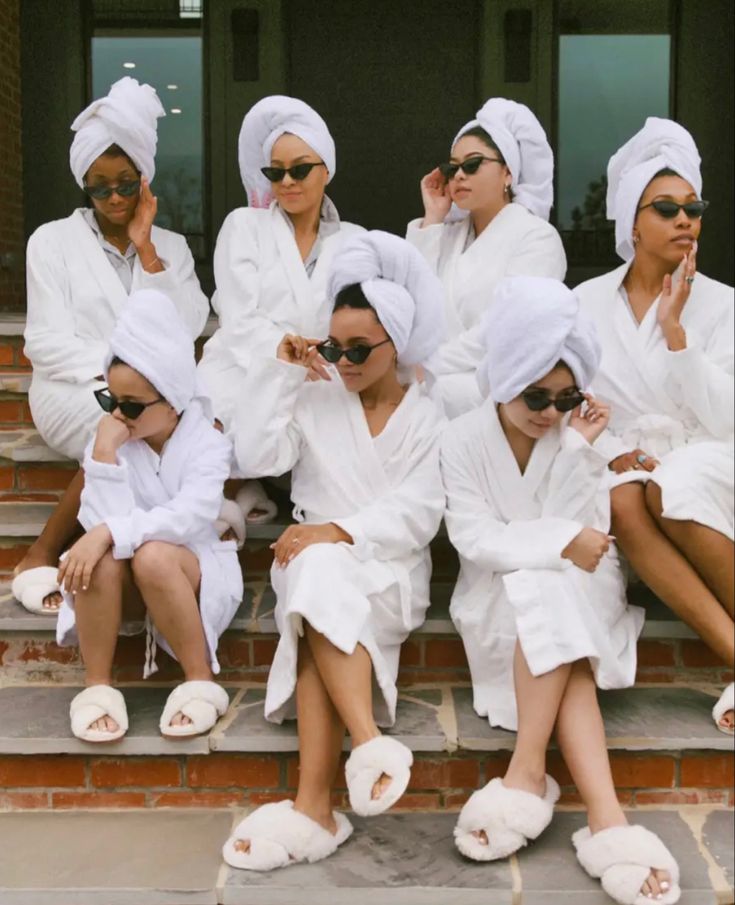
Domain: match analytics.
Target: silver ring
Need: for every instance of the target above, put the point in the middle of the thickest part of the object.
(689, 280)
(641, 457)
(296, 541)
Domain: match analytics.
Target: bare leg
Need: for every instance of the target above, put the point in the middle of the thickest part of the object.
(60, 531)
(320, 744)
(580, 733)
(710, 552)
(670, 576)
(537, 700)
(99, 612)
(348, 681)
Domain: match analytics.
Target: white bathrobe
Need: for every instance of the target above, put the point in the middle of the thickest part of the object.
(175, 498)
(516, 243)
(384, 491)
(74, 299)
(510, 530)
(677, 406)
(263, 292)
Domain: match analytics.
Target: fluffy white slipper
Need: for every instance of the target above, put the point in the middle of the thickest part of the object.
(509, 817)
(726, 702)
(203, 702)
(622, 857)
(279, 836)
(231, 516)
(92, 704)
(366, 765)
(31, 587)
(253, 496)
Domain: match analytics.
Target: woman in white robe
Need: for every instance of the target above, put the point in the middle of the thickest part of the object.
(352, 580)
(154, 475)
(540, 601)
(272, 258)
(667, 370)
(482, 224)
(80, 273)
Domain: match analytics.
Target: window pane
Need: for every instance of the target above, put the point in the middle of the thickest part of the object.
(608, 85)
(173, 66)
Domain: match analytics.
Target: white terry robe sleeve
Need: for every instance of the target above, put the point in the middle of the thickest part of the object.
(244, 328)
(480, 535)
(405, 519)
(266, 438)
(178, 281)
(196, 506)
(705, 379)
(576, 479)
(50, 340)
(427, 240)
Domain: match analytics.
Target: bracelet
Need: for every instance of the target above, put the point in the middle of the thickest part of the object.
(151, 263)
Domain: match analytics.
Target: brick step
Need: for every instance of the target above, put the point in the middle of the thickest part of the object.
(664, 749)
(397, 859)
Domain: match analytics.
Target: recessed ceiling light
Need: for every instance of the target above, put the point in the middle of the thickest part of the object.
(172, 87)
(176, 109)
(128, 65)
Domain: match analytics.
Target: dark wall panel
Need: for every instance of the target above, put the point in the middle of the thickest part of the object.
(394, 82)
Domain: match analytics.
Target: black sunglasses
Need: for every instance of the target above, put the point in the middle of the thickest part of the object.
(356, 355)
(538, 400)
(469, 166)
(298, 172)
(131, 410)
(125, 189)
(669, 209)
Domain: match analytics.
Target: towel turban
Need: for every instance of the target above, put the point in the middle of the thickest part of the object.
(151, 337)
(523, 143)
(263, 125)
(660, 144)
(404, 291)
(532, 324)
(126, 117)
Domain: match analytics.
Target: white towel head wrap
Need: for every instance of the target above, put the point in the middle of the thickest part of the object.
(523, 143)
(151, 337)
(404, 291)
(126, 117)
(263, 125)
(660, 144)
(532, 324)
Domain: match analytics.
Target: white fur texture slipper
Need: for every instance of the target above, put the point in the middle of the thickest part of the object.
(203, 702)
(231, 516)
(279, 836)
(510, 819)
(92, 704)
(366, 765)
(622, 857)
(31, 587)
(725, 703)
(251, 496)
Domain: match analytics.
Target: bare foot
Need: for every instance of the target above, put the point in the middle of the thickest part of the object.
(255, 513)
(727, 721)
(32, 560)
(180, 719)
(327, 822)
(228, 535)
(104, 724)
(52, 602)
(481, 836)
(381, 786)
(657, 884)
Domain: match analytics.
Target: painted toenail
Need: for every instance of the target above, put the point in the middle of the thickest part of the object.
(664, 885)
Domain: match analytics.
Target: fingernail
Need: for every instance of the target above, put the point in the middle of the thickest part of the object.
(84, 587)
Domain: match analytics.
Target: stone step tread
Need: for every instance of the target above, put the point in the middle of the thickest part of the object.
(255, 614)
(15, 381)
(161, 857)
(26, 445)
(34, 719)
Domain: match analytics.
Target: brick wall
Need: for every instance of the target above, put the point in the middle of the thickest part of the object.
(12, 284)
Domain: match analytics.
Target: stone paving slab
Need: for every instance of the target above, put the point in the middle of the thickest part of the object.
(418, 725)
(15, 381)
(168, 857)
(26, 445)
(119, 858)
(636, 719)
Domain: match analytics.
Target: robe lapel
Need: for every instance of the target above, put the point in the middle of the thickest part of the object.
(81, 241)
(293, 267)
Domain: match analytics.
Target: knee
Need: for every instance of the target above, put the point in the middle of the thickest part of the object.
(627, 506)
(108, 571)
(152, 562)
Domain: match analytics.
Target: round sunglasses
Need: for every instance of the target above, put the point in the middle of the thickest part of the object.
(538, 400)
(469, 167)
(131, 410)
(669, 209)
(356, 355)
(299, 171)
(125, 189)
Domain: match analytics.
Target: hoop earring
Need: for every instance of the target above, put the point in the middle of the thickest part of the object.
(636, 239)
